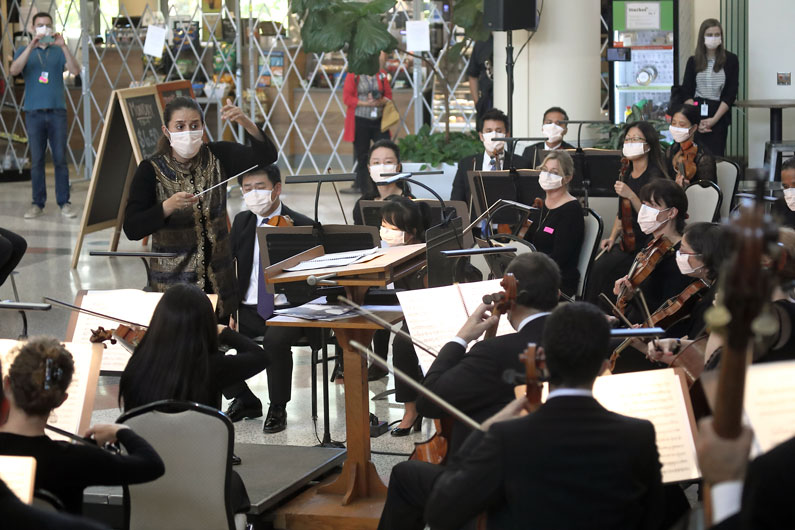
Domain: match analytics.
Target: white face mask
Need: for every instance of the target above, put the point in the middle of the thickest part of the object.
(549, 181)
(634, 150)
(259, 201)
(43, 31)
(789, 196)
(393, 238)
(679, 134)
(378, 169)
(553, 132)
(683, 262)
(712, 43)
(489, 143)
(647, 219)
(186, 143)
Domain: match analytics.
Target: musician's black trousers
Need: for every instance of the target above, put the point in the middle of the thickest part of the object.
(277, 342)
(410, 485)
(404, 357)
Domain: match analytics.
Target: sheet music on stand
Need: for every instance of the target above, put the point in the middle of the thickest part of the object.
(770, 403)
(337, 259)
(74, 415)
(435, 315)
(19, 474)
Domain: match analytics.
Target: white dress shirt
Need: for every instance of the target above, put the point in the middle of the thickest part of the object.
(251, 293)
(487, 160)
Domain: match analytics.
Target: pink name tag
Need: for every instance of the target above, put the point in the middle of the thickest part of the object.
(549, 230)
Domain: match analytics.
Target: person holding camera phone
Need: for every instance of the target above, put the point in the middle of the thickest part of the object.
(42, 63)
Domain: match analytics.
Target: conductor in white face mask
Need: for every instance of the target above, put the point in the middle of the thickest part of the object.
(166, 200)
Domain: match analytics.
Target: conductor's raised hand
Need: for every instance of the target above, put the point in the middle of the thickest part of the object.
(478, 322)
(232, 113)
(178, 201)
(104, 433)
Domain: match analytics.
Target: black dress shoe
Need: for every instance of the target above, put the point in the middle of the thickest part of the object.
(375, 372)
(417, 426)
(239, 410)
(276, 420)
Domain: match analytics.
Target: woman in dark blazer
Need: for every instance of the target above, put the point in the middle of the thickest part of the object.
(711, 81)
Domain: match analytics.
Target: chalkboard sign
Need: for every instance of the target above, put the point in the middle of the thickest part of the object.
(146, 122)
(168, 91)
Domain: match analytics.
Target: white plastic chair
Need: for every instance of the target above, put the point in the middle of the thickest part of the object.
(594, 227)
(704, 199)
(728, 179)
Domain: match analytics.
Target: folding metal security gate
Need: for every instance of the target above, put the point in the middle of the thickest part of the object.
(254, 47)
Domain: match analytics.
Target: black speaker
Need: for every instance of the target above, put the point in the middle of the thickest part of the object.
(502, 15)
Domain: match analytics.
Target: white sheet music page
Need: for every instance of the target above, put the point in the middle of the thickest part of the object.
(770, 402)
(657, 396)
(19, 474)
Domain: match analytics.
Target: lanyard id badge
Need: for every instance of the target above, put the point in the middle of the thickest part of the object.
(44, 78)
(704, 109)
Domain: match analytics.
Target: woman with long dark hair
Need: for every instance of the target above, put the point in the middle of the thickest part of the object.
(165, 199)
(685, 120)
(711, 80)
(642, 163)
(178, 357)
(38, 375)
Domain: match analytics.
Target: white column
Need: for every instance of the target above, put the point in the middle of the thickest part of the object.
(559, 67)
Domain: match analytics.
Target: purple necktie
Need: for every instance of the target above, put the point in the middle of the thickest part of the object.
(264, 298)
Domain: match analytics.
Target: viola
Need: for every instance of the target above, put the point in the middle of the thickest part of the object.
(280, 220)
(685, 161)
(503, 302)
(643, 265)
(627, 217)
(538, 202)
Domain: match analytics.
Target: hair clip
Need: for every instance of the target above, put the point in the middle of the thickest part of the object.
(51, 375)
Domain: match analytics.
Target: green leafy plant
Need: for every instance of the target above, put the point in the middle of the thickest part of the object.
(331, 25)
(434, 149)
(610, 133)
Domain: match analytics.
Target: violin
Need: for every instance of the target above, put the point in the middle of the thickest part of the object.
(128, 336)
(280, 220)
(627, 217)
(643, 265)
(685, 161)
(538, 202)
(670, 312)
(503, 302)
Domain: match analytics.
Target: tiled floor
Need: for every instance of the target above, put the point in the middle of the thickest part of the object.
(45, 271)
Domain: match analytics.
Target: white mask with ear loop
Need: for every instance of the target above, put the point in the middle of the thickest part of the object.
(258, 201)
(712, 43)
(553, 132)
(683, 262)
(490, 142)
(634, 149)
(549, 181)
(647, 219)
(376, 170)
(186, 143)
(789, 196)
(392, 237)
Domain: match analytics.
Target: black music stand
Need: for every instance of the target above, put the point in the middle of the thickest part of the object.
(371, 213)
(320, 179)
(487, 187)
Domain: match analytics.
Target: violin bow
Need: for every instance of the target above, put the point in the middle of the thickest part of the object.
(616, 310)
(92, 313)
(372, 317)
(646, 311)
(450, 409)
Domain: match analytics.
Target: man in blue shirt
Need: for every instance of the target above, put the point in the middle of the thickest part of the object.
(42, 63)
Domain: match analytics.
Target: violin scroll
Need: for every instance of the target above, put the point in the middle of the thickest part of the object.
(101, 335)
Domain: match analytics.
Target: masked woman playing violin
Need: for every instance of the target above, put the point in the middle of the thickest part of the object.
(163, 200)
(662, 217)
(685, 160)
(642, 163)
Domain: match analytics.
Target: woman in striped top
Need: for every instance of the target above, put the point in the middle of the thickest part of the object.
(711, 80)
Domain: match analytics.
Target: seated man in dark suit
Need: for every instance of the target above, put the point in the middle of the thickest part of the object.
(570, 464)
(261, 190)
(492, 125)
(473, 382)
(554, 128)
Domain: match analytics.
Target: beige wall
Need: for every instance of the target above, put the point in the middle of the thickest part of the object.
(136, 7)
(770, 50)
(543, 78)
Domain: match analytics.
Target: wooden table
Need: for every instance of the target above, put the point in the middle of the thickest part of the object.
(355, 498)
(776, 107)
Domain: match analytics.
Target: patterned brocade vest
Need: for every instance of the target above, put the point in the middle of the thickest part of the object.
(198, 234)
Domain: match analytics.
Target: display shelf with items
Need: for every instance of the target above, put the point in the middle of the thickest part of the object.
(462, 107)
(333, 64)
(646, 29)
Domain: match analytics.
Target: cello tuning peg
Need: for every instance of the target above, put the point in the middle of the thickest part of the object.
(717, 316)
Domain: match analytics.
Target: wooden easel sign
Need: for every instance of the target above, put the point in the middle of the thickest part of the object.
(132, 129)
